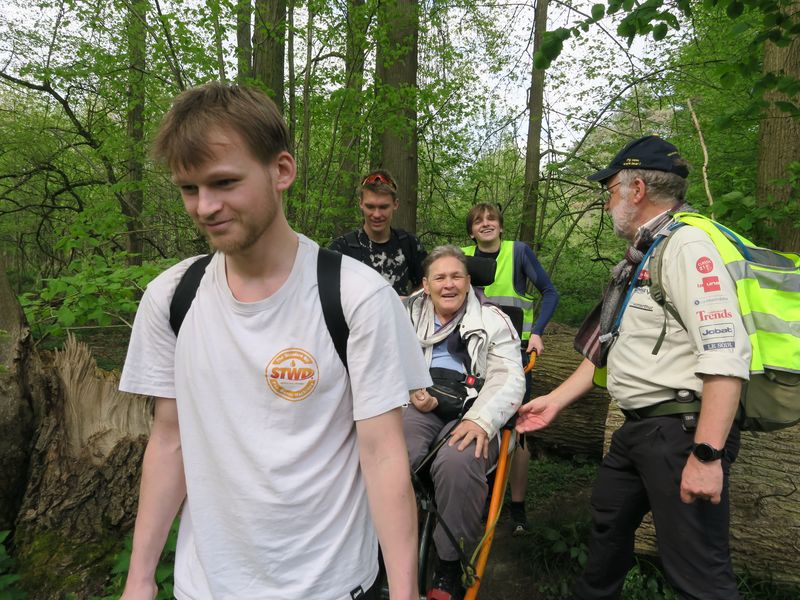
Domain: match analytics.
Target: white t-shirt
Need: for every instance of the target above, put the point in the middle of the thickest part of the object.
(276, 506)
(714, 341)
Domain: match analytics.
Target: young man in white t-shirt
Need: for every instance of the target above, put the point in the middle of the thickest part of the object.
(280, 455)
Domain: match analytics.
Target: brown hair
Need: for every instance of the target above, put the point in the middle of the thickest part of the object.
(478, 210)
(379, 181)
(182, 139)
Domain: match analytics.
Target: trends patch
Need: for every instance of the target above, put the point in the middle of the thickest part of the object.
(292, 374)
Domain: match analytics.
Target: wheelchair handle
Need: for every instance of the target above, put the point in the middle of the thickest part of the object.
(531, 362)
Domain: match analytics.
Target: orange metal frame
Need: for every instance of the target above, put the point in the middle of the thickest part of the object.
(500, 481)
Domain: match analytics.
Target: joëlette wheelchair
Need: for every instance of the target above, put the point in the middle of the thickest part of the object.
(482, 273)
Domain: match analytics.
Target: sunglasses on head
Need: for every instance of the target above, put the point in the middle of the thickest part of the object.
(378, 178)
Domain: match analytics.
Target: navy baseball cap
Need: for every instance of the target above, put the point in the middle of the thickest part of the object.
(650, 153)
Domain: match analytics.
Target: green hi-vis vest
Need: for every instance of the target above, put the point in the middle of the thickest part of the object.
(768, 291)
(502, 290)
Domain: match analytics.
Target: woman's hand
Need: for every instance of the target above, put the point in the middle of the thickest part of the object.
(423, 401)
(465, 432)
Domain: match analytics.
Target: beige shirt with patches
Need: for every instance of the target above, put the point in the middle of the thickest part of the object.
(714, 342)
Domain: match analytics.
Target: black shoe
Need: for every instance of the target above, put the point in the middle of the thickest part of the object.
(519, 522)
(447, 582)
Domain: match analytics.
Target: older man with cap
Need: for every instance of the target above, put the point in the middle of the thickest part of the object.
(677, 384)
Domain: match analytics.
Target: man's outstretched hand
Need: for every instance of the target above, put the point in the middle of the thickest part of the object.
(536, 414)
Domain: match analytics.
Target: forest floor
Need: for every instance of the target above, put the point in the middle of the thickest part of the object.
(542, 564)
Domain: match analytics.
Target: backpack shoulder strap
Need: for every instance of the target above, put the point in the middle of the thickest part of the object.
(408, 245)
(185, 292)
(329, 271)
(351, 237)
(656, 267)
(404, 238)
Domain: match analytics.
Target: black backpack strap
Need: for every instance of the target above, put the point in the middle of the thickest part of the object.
(185, 292)
(356, 248)
(329, 275)
(408, 245)
(351, 237)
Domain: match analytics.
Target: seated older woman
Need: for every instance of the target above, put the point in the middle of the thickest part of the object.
(462, 340)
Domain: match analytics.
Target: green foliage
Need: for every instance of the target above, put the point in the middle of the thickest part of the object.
(645, 582)
(8, 578)
(559, 520)
(91, 292)
(164, 570)
(753, 587)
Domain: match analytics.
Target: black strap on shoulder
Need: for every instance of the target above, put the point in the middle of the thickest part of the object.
(329, 267)
(356, 248)
(185, 292)
(329, 271)
(408, 246)
(351, 237)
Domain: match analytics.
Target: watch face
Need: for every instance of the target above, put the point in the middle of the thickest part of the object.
(706, 453)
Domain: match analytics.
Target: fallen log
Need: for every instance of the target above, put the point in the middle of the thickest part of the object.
(578, 429)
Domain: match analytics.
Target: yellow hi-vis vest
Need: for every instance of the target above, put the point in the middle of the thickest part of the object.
(502, 291)
(768, 293)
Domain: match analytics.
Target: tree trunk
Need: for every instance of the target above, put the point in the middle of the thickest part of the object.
(765, 512)
(134, 195)
(530, 195)
(16, 403)
(268, 47)
(779, 140)
(244, 47)
(349, 119)
(214, 9)
(304, 209)
(399, 25)
(291, 117)
(579, 429)
(83, 479)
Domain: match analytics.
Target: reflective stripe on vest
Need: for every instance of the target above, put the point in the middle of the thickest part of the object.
(768, 295)
(502, 291)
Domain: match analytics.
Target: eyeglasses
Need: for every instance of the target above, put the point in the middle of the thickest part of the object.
(605, 192)
(379, 178)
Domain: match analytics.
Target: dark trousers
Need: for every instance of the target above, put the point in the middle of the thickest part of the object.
(642, 473)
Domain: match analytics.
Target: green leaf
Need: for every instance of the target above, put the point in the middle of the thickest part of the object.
(670, 20)
(786, 107)
(598, 12)
(740, 27)
(728, 79)
(163, 572)
(626, 28)
(735, 9)
(660, 31)
(734, 196)
(540, 60)
(66, 317)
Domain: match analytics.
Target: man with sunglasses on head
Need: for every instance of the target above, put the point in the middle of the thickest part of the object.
(394, 253)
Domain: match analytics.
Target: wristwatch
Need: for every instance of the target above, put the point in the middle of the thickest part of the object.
(706, 452)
